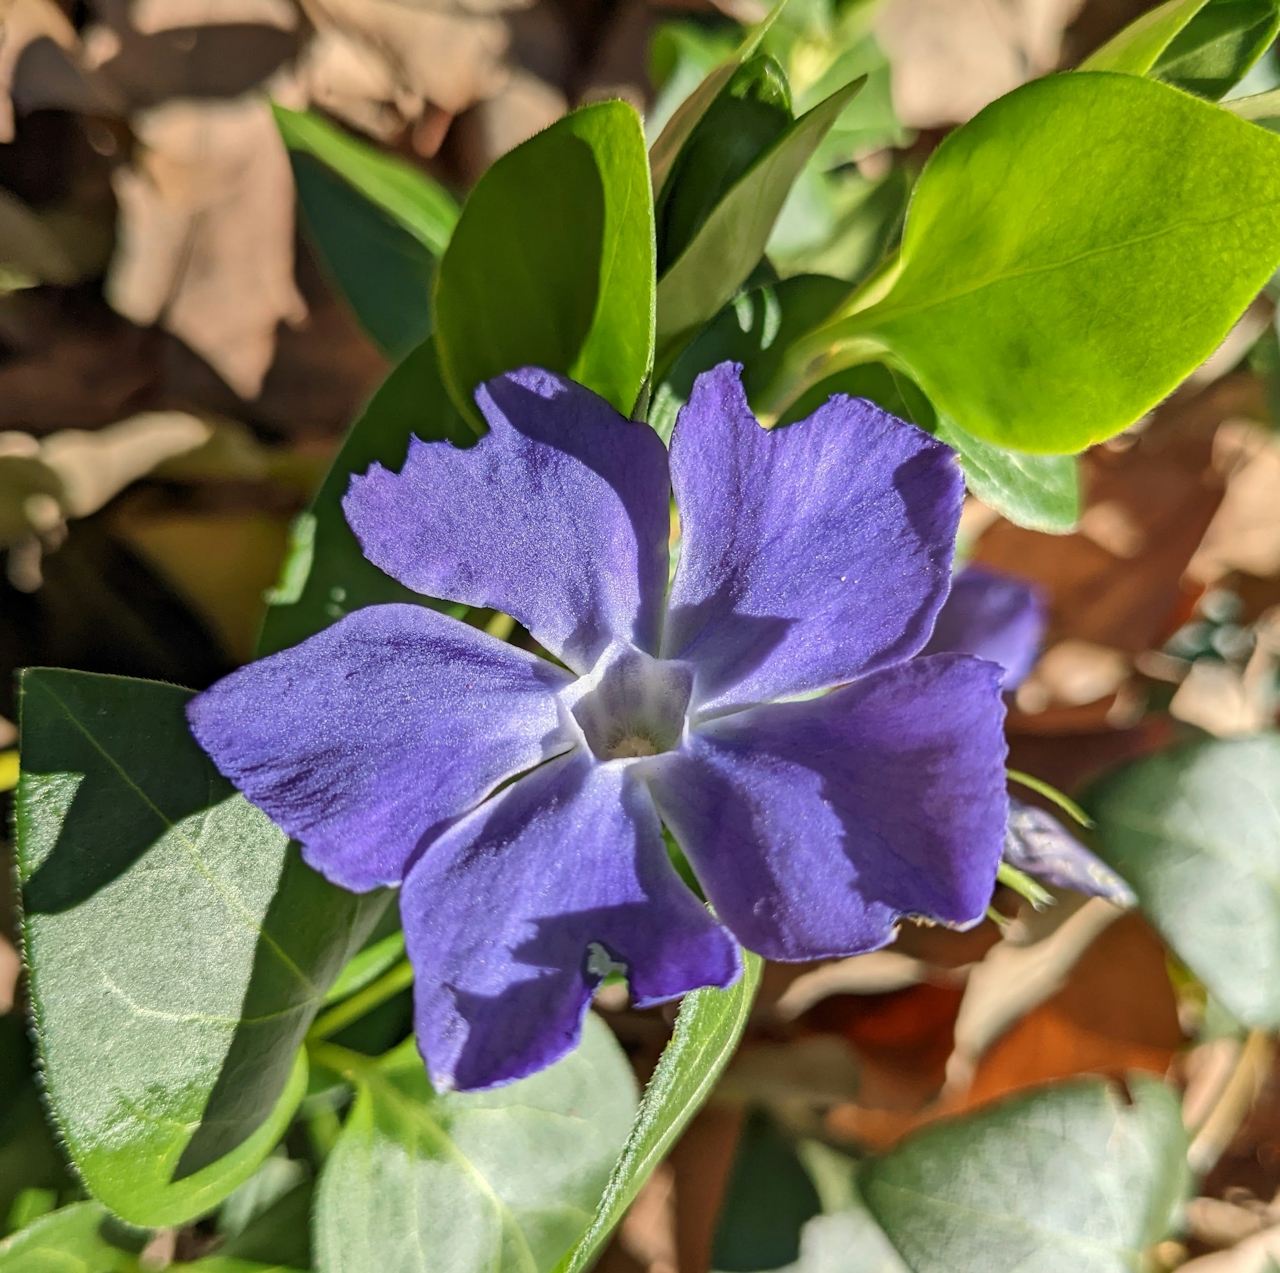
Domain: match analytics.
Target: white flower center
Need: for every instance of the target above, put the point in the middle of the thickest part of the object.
(630, 705)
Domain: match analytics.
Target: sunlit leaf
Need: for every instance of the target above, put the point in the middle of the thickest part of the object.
(178, 948)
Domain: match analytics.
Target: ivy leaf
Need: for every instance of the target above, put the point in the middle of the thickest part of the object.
(1070, 1179)
(551, 264)
(491, 1182)
(178, 947)
(706, 1035)
(326, 575)
(1196, 833)
(1070, 255)
(731, 240)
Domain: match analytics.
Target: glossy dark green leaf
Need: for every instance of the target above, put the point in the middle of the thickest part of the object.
(706, 1035)
(1070, 255)
(476, 1182)
(178, 948)
(1071, 1179)
(406, 194)
(768, 1199)
(1211, 54)
(383, 271)
(326, 574)
(551, 264)
(755, 329)
(68, 1241)
(1196, 832)
(731, 240)
(746, 117)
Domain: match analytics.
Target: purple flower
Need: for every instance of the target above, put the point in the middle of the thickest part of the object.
(992, 616)
(812, 556)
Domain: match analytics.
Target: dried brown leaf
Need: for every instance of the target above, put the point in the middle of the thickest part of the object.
(206, 234)
(21, 23)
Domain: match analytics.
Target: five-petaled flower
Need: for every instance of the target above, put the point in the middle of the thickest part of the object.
(813, 558)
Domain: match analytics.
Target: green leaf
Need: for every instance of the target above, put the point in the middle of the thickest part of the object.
(178, 947)
(326, 574)
(1070, 255)
(767, 1201)
(706, 1035)
(1136, 48)
(421, 206)
(66, 1241)
(748, 114)
(756, 330)
(1196, 832)
(1212, 53)
(384, 272)
(1070, 1179)
(551, 264)
(732, 238)
(1040, 492)
(493, 1181)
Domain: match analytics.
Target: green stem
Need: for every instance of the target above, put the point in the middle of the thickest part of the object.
(377, 992)
(1050, 793)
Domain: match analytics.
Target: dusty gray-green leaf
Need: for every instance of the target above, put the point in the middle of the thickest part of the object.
(706, 1035)
(1070, 255)
(67, 1241)
(1070, 1179)
(475, 1182)
(1196, 833)
(731, 240)
(178, 948)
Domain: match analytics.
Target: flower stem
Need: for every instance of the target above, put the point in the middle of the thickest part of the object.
(377, 992)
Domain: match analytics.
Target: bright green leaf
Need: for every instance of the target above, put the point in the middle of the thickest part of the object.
(477, 1182)
(383, 272)
(1196, 832)
(551, 264)
(1070, 255)
(405, 193)
(706, 1035)
(178, 947)
(327, 574)
(1211, 54)
(1135, 49)
(66, 1241)
(732, 239)
(1070, 1179)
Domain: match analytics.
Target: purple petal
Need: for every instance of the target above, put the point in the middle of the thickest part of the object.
(558, 516)
(1037, 843)
(810, 554)
(992, 616)
(513, 916)
(814, 826)
(364, 739)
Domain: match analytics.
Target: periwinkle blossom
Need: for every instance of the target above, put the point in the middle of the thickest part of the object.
(813, 558)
